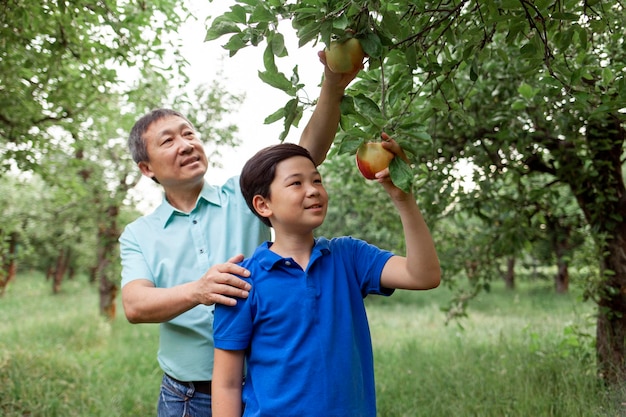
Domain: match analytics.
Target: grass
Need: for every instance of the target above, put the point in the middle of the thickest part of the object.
(59, 358)
(523, 353)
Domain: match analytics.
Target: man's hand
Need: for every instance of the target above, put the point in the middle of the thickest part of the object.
(220, 285)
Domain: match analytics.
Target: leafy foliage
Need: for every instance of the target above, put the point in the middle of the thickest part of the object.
(528, 94)
(59, 59)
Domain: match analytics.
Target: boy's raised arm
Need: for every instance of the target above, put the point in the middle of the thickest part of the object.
(419, 269)
(319, 133)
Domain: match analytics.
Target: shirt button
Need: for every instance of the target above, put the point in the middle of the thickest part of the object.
(201, 250)
(195, 222)
(288, 263)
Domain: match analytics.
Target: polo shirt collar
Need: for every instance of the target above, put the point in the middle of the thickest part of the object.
(165, 211)
(268, 259)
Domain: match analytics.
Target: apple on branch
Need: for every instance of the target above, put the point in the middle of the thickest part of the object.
(372, 158)
(344, 57)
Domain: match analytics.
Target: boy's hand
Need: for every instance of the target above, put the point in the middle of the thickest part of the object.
(339, 81)
(383, 176)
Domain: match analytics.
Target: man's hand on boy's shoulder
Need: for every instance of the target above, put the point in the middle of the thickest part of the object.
(221, 283)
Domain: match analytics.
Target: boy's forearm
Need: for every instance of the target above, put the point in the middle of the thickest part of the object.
(226, 403)
(227, 383)
(421, 254)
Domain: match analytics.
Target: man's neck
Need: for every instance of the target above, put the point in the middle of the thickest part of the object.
(183, 198)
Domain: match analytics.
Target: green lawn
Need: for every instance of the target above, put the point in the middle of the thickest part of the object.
(527, 353)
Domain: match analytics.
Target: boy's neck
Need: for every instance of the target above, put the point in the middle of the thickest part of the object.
(297, 247)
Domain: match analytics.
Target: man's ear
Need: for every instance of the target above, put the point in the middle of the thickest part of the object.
(261, 206)
(145, 169)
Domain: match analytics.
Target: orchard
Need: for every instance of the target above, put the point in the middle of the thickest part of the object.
(527, 93)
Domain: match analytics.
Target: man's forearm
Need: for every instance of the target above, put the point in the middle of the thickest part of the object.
(148, 304)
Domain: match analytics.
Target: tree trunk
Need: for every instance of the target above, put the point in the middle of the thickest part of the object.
(562, 278)
(601, 194)
(471, 268)
(49, 272)
(608, 215)
(509, 277)
(560, 235)
(108, 294)
(611, 323)
(63, 260)
(562, 273)
(9, 264)
(107, 244)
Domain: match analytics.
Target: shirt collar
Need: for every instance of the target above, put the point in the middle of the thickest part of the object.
(268, 259)
(166, 211)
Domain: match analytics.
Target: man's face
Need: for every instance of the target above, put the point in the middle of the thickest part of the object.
(175, 151)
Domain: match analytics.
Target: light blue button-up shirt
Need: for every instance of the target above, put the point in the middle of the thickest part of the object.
(169, 248)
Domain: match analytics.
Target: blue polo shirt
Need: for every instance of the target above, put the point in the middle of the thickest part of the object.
(306, 335)
(169, 248)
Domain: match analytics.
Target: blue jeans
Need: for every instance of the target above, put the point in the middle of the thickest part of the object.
(179, 400)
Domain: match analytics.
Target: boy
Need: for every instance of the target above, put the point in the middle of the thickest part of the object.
(303, 330)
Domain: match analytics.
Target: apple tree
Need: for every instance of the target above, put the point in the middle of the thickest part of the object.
(513, 87)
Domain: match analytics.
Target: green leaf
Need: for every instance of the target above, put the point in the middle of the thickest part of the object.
(401, 174)
(274, 117)
(262, 14)
(474, 71)
(582, 38)
(607, 76)
(371, 45)
(527, 91)
(367, 106)
(278, 44)
(528, 50)
(565, 16)
(268, 59)
(221, 26)
(235, 43)
(293, 113)
(351, 142)
(237, 14)
(308, 32)
(277, 80)
(518, 105)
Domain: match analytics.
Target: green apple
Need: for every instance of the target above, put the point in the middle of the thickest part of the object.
(371, 158)
(344, 57)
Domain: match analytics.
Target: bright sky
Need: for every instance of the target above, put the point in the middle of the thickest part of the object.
(261, 100)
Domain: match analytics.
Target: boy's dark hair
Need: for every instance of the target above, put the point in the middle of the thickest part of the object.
(258, 173)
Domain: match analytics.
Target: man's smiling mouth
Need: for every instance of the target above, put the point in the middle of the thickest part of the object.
(188, 161)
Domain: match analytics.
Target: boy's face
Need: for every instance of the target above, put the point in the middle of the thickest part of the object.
(175, 151)
(298, 200)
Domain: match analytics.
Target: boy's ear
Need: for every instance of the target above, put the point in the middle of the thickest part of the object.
(261, 206)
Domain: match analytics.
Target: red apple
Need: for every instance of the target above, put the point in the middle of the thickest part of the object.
(371, 158)
(344, 57)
